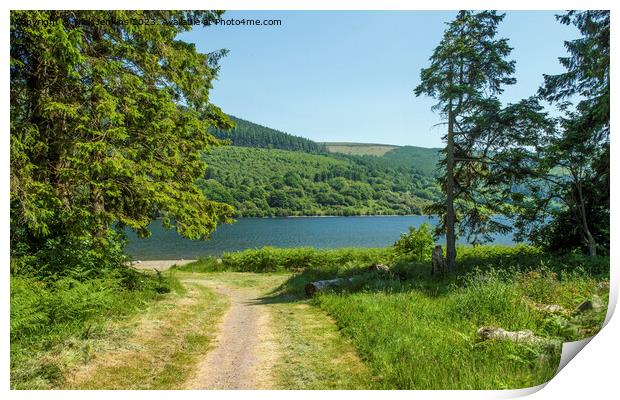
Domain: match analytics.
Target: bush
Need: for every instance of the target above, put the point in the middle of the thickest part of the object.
(417, 244)
(81, 257)
(271, 259)
(38, 307)
(524, 257)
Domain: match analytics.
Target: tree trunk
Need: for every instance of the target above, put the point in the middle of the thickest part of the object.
(584, 222)
(450, 218)
(591, 244)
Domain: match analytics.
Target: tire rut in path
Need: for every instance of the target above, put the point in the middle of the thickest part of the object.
(245, 349)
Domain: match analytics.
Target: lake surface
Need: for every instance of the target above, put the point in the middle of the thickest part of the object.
(248, 233)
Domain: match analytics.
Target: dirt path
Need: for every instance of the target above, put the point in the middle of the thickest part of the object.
(221, 334)
(245, 350)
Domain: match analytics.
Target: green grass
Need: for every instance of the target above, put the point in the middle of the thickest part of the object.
(58, 324)
(358, 149)
(316, 355)
(418, 332)
(164, 347)
(418, 339)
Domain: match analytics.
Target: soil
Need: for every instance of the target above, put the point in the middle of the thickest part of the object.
(245, 349)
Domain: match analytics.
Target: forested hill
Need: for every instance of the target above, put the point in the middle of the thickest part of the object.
(274, 182)
(249, 134)
(266, 172)
(424, 160)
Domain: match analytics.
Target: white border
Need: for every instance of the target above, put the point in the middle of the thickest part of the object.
(592, 374)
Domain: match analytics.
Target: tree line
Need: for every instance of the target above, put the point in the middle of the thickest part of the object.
(249, 134)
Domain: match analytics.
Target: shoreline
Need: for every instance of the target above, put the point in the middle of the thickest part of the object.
(160, 265)
(340, 216)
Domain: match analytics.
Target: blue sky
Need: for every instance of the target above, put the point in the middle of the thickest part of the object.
(350, 75)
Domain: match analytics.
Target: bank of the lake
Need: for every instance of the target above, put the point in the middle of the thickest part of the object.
(248, 233)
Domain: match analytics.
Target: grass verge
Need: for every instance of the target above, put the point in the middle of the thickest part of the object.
(58, 324)
(165, 345)
(421, 334)
(315, 356)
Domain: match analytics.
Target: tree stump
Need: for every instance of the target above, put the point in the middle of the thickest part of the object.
(378, 268)
(595, 304)
(439, 262)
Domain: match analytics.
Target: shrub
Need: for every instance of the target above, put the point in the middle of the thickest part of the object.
(524, 257)
(271, 259)
(417, 244)
(81, 257)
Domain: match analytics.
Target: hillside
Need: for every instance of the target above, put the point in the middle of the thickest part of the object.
(421, 158)
(359, 149)
(249, 134)
(272, 182)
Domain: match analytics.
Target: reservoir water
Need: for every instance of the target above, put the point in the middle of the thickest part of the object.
(249, 233)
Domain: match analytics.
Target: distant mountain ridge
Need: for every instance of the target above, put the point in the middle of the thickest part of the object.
(359, 149)
(250, 134)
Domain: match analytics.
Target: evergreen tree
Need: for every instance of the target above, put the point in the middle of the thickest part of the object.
(108, 122)
(467, 70)
(248, 134)
(570, 167)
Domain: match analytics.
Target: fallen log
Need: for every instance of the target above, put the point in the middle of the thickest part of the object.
(525, 336)
(313, 287)
(493, 333)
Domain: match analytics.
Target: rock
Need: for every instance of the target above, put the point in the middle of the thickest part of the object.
(597, 303)
(378, 268)
(218, 261)
(603, 285)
